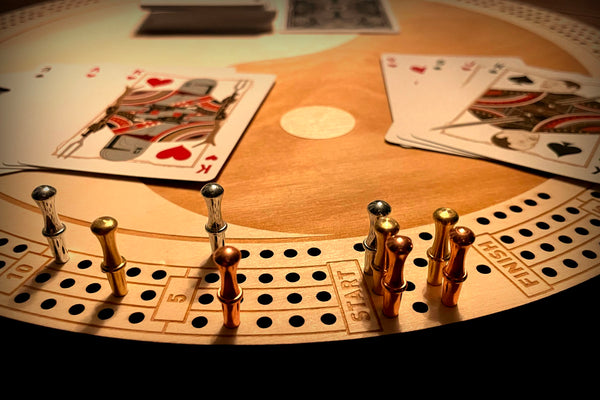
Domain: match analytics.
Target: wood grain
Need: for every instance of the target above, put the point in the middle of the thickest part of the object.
(283, 183)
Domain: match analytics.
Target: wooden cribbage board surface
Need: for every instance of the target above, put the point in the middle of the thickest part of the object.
(528, 247)
(300, 220)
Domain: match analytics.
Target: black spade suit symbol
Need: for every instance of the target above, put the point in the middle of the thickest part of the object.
(563, 149)
(521, 80)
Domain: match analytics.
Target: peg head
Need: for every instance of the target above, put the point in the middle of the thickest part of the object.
(445, 216)
(227, 256)
(379, 208)
(212, 190)
(462, 236)
(43, 193)
(399, 244)
(386, 225)
(104, 225)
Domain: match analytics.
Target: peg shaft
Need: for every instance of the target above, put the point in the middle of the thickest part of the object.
(215, 226)
(439, 253)
(455, 273)
(375, 209)
(384, 228)
(53, 230)
(230, 294)
(105, 229)
(398, 247)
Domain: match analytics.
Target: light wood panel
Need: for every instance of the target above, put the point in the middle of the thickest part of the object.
(280, 182)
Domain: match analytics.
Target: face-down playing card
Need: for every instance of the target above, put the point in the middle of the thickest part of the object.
(541, 119)
(339, 16)
(160, 126)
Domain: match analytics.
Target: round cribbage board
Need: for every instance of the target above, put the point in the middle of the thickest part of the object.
(300, 233)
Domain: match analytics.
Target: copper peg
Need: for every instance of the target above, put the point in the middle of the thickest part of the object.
(113, 265)
(230, 294)
(439, 253)
(384, 228)
(398, 247)
(54, 230)
(377, 208)
(215, 226)
(455, 273)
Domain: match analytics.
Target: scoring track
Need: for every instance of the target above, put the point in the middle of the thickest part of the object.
(529, 247)
(302, 275)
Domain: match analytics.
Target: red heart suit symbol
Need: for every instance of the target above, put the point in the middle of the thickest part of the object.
(179, 153)
(418, 69)
(154, 82)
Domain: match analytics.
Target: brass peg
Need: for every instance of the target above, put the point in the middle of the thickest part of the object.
(398, 247)
(230, 293)
(113, 264)
(455, 273)
(439, 253)
(384, 228)
(375, 209)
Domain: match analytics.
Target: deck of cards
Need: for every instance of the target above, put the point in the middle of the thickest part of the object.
(123, 120)
(258, 16)
(208, 16)
(495, 108)
(338, 16)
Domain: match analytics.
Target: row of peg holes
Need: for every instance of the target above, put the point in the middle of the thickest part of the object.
(297, 320)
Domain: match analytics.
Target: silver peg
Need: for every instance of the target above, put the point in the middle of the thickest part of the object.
(54, 229)
(215, 226)
(376, 208)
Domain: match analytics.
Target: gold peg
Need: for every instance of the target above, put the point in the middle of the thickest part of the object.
(397, 247)
(230, 294)
(439, 253)
(113, 265)
(455, 273)
(384, 227)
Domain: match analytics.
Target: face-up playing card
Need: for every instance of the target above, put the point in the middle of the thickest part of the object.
(138, 123)
(339, 16)
(9, 84)
(532, 117)
(423, 89)
(30, 97)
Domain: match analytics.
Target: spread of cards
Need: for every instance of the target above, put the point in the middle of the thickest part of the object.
(127, 120)
(184, 124)
(496, 108)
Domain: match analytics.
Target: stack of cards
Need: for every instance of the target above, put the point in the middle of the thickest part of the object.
(496, 108)
(208, 16)
(339, 16)
(130, 121)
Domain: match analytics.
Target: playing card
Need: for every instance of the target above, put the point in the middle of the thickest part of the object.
(9, 84)
(21, 99)
(208, 16)
(424, 88)
(46, 92)
(157, 125)
(537, 118)
(339, 16)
